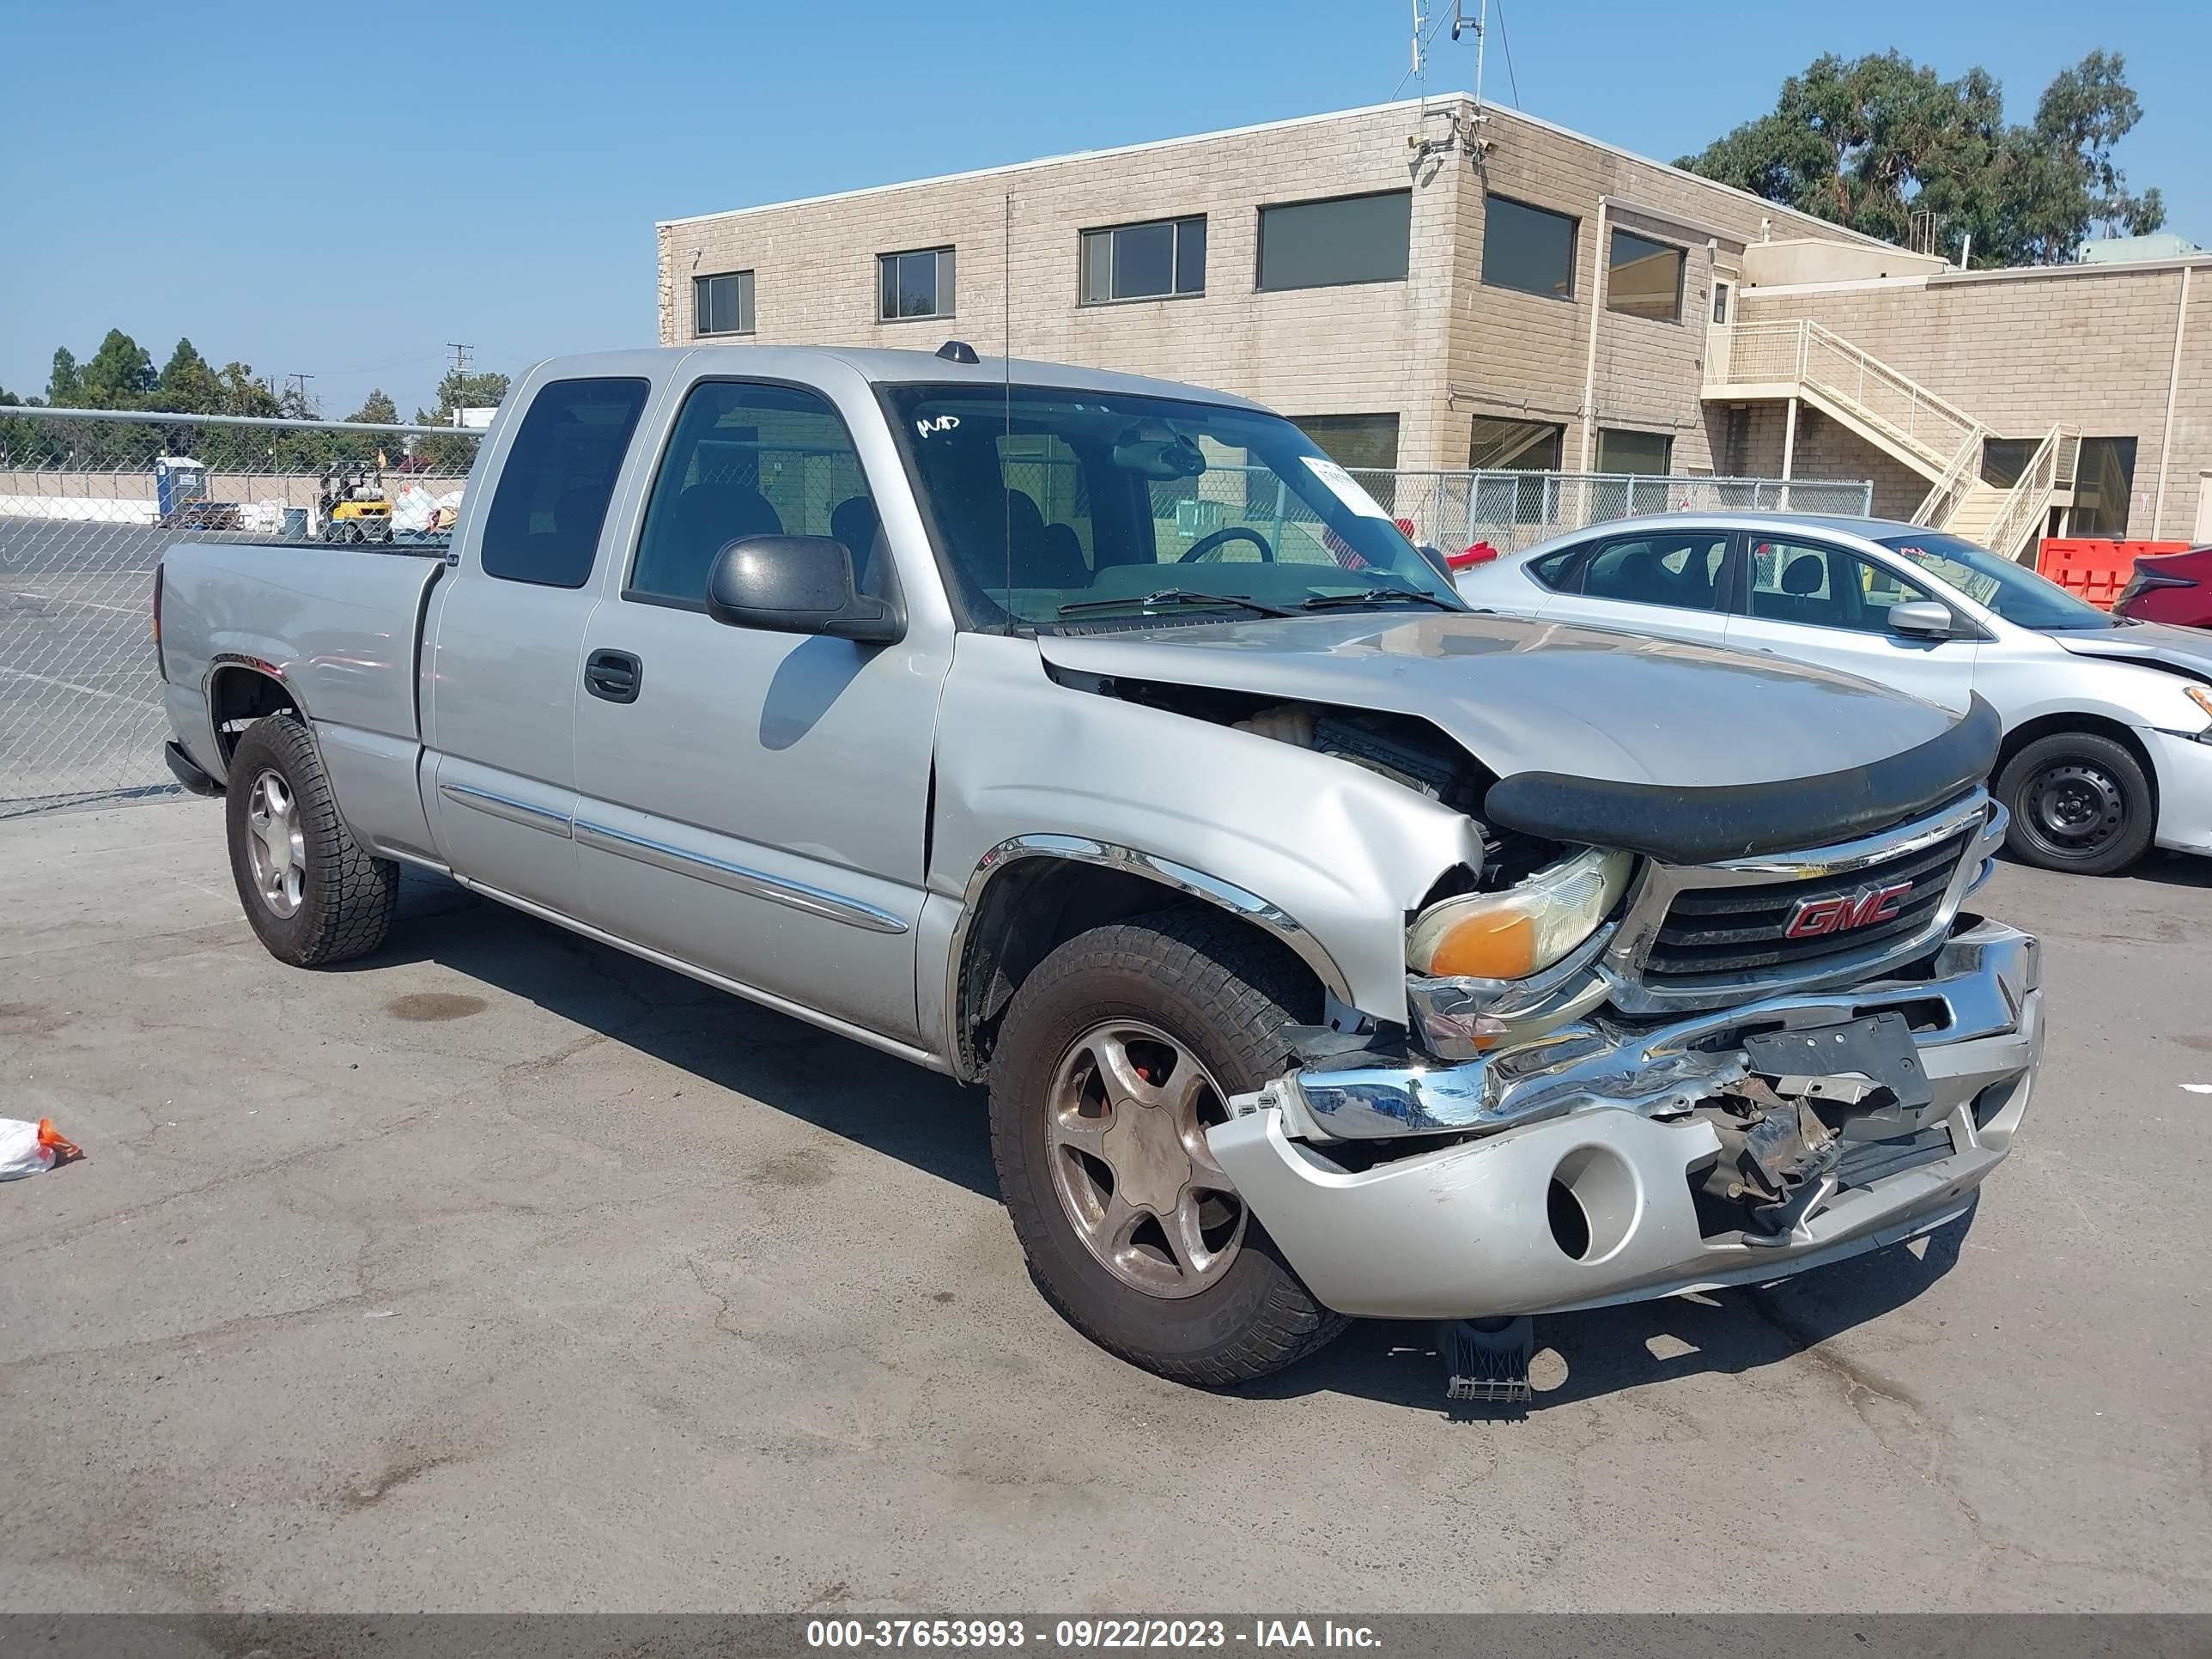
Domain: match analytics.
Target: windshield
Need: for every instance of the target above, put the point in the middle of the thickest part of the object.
(2013, 591)
(1055, 507)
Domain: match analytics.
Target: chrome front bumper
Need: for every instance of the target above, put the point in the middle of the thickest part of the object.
(1466, 1231)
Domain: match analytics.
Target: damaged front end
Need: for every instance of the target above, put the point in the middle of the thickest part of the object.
(1632, 1122)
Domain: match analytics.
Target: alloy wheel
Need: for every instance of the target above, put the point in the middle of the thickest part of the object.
(276, 846)
(1126, 1133)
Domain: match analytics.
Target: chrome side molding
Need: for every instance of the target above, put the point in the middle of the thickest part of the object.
(507, 807)
(738, 879)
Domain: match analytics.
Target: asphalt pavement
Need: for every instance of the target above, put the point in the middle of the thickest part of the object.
(500, 1270)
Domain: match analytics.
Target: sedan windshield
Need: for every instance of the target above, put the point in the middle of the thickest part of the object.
(1055, 507)
(2013, 591)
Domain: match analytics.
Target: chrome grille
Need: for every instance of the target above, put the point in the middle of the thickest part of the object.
(1735, 930)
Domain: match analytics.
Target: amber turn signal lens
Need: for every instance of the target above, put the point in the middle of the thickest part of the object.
(1487, 947)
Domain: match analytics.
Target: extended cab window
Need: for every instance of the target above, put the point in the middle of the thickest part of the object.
(1825, 587)
(1683, 570)
(752, 460)
(559, 475)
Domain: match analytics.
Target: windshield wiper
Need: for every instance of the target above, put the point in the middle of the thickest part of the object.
(1175, 596)
(1331, 601)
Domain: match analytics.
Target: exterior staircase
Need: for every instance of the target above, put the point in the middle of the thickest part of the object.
(1804, 361)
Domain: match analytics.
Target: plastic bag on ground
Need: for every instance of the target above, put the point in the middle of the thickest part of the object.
(29, 1149)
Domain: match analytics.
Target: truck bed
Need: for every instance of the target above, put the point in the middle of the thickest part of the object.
(341, 627)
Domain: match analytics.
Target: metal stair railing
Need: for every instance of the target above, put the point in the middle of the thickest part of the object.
(1951, 491)
(2028, 503)
(1930, 428)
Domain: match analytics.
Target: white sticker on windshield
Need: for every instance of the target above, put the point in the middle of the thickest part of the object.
(1346, 488)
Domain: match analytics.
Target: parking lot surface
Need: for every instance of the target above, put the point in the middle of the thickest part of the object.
(500, 1270)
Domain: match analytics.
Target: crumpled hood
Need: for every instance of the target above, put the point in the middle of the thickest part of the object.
(1532, 696)
(2161, 644)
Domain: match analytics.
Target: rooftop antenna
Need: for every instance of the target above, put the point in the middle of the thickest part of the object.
(1481, 25)
(1422, 142)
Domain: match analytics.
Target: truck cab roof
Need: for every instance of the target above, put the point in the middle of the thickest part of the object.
(879, 365)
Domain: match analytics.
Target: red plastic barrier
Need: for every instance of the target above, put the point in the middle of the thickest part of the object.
(1480, 553)
(2094, 569)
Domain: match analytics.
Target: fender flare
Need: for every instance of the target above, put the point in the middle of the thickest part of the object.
(1227, 896)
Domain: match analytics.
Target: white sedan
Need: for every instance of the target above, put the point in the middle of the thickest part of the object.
(2107, 723)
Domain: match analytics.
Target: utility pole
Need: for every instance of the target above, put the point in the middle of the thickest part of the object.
(299, 387)
(460, 355)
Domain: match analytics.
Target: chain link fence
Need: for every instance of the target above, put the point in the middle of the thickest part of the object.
(1513, 510)
(87, 501)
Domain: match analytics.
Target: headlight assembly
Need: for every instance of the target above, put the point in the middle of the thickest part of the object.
(1524, 929)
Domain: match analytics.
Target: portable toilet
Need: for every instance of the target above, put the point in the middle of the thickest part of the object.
(177, 480)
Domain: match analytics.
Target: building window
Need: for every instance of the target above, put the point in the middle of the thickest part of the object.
(916, 284)
(1144, 262)
(1528, 248)
(1353, 440)
(2104, 479)
(1520, 446)
(1347, 239)
(1647, 452)
(1644, 278)
(2003, 460)
(722, 304)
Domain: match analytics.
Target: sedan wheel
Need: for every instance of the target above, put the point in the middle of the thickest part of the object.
(2080, 801)
(2074, 807)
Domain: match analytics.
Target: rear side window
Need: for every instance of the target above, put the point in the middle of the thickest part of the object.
(1554, 570)
(1680, 571)
(559, 475)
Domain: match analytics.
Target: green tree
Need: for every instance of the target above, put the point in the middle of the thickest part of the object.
(120, 374)
(362, 449)
(1868, 141)
(377, 409)
(65, 384)
(187, 383)
(458, 390)
(461, 389)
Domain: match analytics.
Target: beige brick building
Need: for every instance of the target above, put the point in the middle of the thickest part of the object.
(1439, 285)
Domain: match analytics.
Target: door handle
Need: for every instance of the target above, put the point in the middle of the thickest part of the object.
(613, 675)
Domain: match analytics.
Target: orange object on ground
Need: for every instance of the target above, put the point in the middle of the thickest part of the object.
(2094, 569)
(28, 1149)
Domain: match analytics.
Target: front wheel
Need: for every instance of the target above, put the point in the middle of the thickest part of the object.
(311, 894)
(2079, 802)
(1116, 1055)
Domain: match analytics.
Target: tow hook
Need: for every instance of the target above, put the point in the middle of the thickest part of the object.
(1487, 1360)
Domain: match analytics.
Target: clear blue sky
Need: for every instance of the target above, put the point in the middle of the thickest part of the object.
(340, 190)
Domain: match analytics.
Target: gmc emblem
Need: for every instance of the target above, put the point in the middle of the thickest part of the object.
(1814, 917)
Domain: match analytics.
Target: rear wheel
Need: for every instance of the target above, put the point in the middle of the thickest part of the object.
(2080, 802)
(311, 894)
(1116, 1055)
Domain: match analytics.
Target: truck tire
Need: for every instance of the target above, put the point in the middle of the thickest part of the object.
(1116, 1054)
(2080, 803)
(311, 894)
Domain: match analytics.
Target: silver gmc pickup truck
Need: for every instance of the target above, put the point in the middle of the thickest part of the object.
(1330, 949)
